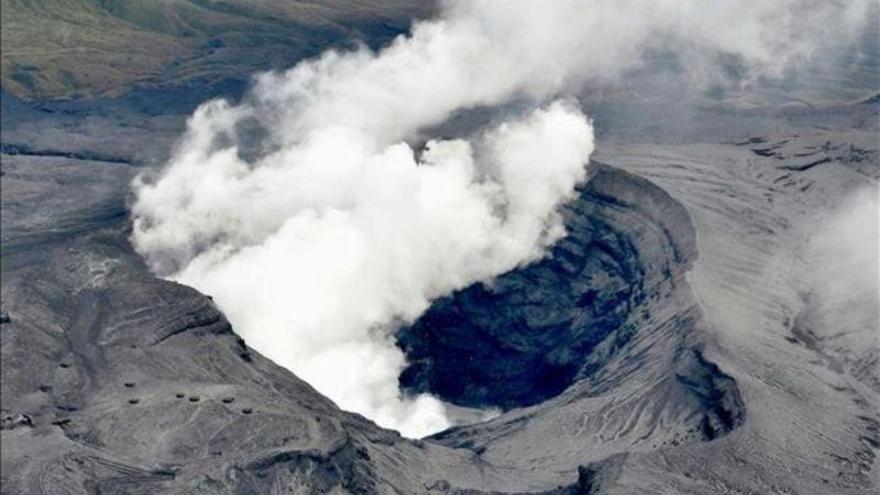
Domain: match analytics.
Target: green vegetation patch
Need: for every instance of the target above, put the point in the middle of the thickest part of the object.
(73, 48)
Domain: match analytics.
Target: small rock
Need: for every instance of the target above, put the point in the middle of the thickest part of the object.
(10, 421)
(133, 401)
(586, 479)
(180, 395)
(128, 384)
(228, 400)
(64, 365)
(247, 410)
(194, 398)
(442, 486)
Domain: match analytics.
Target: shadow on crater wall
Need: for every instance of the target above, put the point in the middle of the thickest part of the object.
(530, 334)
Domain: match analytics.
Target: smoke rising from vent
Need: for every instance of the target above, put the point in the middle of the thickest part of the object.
(842, 296)
(319, 241)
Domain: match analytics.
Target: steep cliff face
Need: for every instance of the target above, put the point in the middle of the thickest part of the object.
(115, 381)
(529, 334)
(766, 203)
(625, 323)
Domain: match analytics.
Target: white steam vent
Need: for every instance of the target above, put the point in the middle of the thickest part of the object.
(321, 245)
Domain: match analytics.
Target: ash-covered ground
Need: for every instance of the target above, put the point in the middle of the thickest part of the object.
(709, 323)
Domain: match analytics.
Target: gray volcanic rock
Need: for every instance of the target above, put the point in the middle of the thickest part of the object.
(529, 334)
(641, 380)
(812, 415)
(117, 382)
(124, 378)
(653, 408)
(526, 336)
(677, 341)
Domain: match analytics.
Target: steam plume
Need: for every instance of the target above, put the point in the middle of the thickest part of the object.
(332, 231)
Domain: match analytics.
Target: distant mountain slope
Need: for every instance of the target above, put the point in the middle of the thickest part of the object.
(69, 48)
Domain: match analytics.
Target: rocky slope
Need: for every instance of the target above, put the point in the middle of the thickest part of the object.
(758, 202)
(528, 335)
(679, 340)
(116, 381)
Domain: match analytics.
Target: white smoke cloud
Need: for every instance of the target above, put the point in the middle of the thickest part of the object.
(316, 255)
(338, 230)
(843, 274)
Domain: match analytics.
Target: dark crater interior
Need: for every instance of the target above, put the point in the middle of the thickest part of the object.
(531, 333)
